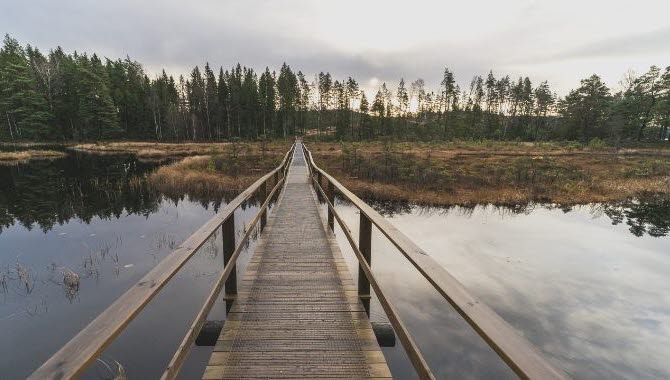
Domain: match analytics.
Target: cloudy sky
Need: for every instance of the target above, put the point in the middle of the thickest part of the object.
(561, 41)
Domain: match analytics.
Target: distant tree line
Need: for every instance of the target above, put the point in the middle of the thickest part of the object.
(60, 96)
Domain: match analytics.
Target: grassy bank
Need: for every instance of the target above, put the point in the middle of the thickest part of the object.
(230, 169)
(12, 158)
(153, 150)
(495, 172)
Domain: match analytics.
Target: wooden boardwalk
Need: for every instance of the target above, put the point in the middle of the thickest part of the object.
(297, 313)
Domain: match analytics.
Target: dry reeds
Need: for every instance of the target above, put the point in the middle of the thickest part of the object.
(504, 173)
(27, 155)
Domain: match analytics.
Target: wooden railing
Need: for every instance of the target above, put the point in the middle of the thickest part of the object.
(515, 351)
(73, 358)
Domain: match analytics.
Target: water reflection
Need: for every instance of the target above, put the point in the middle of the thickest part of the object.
(75, 234)
(649, 215)
(81, 186)
(585, 287)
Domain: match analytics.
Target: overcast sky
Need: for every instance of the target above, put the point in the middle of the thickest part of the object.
(561, 41)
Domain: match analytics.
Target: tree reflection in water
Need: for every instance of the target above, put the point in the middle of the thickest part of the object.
(649, 214)
(83, 186)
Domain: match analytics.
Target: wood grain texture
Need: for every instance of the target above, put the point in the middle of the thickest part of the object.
(296, 314)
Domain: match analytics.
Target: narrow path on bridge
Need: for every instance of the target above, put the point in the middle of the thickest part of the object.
(297, 313)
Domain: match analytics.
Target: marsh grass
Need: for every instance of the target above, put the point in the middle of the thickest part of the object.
(25, 278)
(218, 175)
(151, 150)
(13, 158)
(498, 173)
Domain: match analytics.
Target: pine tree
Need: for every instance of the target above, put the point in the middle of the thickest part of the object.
(25, 112)
(305, 93)
(448, 88)
(403, 99)
(325, 85)
(351, 95)
(364, 108)
(288, 91)
(585, 109)
(96, 114)
(223, 105)
(267, 94)
(210, 109)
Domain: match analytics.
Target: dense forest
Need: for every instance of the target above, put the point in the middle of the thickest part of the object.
(60, 96)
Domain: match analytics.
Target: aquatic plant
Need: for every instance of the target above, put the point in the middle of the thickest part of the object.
(114, 371)
(25, 277)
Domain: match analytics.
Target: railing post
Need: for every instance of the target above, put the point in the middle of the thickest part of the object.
(263, 194)
(228, 229)
(365, 246)
(277, 177)
(331, 197)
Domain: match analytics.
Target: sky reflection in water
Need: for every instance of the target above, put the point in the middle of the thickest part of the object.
(593, 296)
(97, 218)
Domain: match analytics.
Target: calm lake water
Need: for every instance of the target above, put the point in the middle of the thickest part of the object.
(97, 217)
(588, 285)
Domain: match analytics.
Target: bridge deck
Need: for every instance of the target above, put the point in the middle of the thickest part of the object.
(297, 313)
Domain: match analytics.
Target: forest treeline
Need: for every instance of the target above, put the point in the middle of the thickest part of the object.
(61, 96)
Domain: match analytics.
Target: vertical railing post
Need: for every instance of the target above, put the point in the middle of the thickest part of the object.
(365, 246)
(331, 197)
(262, 195)
(276, 177)
(228, 229)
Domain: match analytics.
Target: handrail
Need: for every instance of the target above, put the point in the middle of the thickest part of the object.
(185, 347)
(75, 356)
(517, 352)
(415, 356)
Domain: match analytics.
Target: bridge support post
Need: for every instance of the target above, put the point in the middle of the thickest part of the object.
(331, 197)
(228, 230)
(365, 246)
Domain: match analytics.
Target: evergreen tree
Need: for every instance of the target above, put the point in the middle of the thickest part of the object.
(585, 109)
(267, 94)
(25, 112)
(210, 109)
(97, 114)
(448, 88)
(288, 92)
(223, 105)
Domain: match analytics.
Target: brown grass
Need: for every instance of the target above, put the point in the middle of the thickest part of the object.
(508, 173)
(190, 175)
(153, 150)
(216, 176)
(163, 150)
(27, 155)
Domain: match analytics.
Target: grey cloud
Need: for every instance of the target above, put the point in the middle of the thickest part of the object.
(257, 33)
(615, 47)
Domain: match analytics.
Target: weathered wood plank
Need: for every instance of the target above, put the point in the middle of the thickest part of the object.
(297, 313)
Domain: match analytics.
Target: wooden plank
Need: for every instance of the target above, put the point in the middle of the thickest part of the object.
(297, 314)
(74, 357)
(519, 354)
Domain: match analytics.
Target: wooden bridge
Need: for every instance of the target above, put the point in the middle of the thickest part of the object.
(296, 312)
